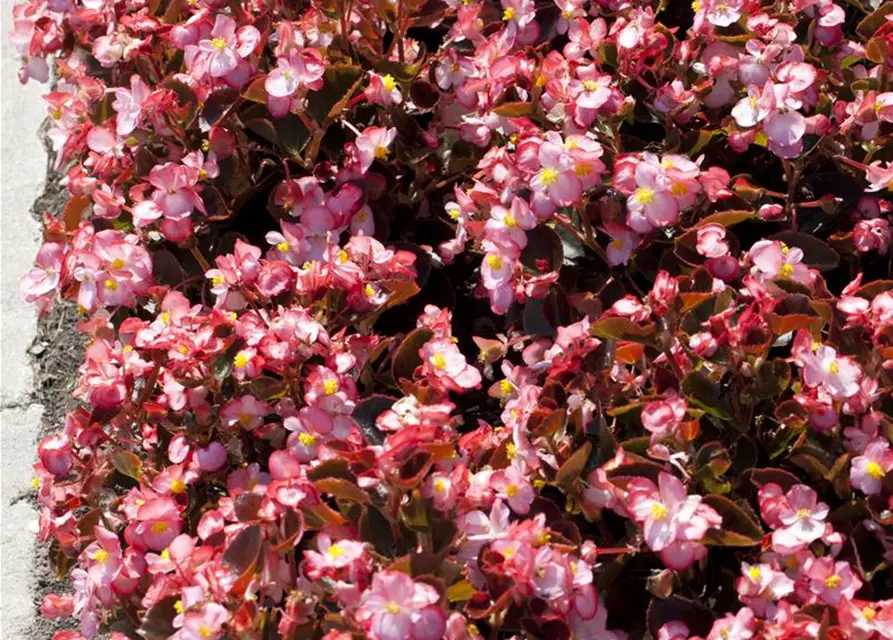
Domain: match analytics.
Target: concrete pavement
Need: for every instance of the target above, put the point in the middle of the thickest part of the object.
(23, 164)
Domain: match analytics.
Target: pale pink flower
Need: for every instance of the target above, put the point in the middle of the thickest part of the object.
(397, 608)
(740, 626)
(372, 143)
(226, 47)
(444, 363)
(711, 241)
(623, 242)
(870, 468)
(831, 581)
(801, 516)
(511, 485)
(774, 259)
(872, 235)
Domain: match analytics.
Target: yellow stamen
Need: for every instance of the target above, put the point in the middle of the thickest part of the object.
(111, 285)
(160, 527)
(217, 280)
(330, 386)
(549, 176)
(832, 581)
(755, 573)
(282, 247)
(382, 153)
(336, 550)
(679, 189)
(307, 439)
(118, 263)
(658, 511)
(868, 613)
(511, 491)
(440, 485)
(787, 270)
(804, 513)
(100, 556)
(875, 470)
(509, 221)
(219, 44)
(508, 14)
(388, 82)
(506, 387)
(511, 450)
(343, 256)
(439, 361)
(495, 262)
(178, 486)
(393, 608)
(834, 368)
(644, 195)
(241, 360)
(178, 606)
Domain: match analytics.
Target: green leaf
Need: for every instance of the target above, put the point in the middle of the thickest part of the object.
(338, 81)
(128, 463)
(460, 592)
(874, 20)
(342, 489)
(573, 466)
(739, 529)
(407, 356)
(617, 328)
(707, 395)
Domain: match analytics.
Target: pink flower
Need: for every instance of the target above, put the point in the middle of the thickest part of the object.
(840, 376)
(661, 417)
(204, 623)
(801, 516)
(227, 47)
(372, 143)
(761, 586)
(872, 235)
(511, 485)
(555, 184)
(444, 364)
(674, 522)
(157, 523)
(651, 205)
(870, 468)
(332, 556)
(740, 626)
(775, 260)
(831, 581)
(711, 241)
(56, 454)
(129, 105)
(383, 90)
(397, 608)
(623, 242)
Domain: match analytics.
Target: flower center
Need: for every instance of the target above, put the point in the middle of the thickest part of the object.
(787, 270)
(832, 581)
(178, 486)
(381, 153)
(582, 170)
(118, 263)
(803, 513)
(439, 361)
(393, 608)
(330, 386)
(369, 291)
(219, 44)
(834, 367)
(241, 360)
(217, 280)
(590, 85)
(100, 556)
(440, 485)
(755, 573)
(495, 262)
(159, 527)
(205, 632)
(508, 14)
(679, 189)
(658, 511)
(506, 387)
(509, 221)
(511, 491)
(388, 82)
(617, 244)
(644, 195)
(111, 285)
(307, 439)
(875, 470)
(549, 176)
(335, 550)
(868, 613)
(511, 450)
(282, 247)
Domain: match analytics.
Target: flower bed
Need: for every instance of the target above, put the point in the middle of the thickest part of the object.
(424, 319)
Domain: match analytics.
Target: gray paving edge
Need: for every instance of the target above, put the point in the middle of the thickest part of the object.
(23, 163)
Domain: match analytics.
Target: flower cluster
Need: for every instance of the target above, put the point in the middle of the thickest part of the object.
(468, 320)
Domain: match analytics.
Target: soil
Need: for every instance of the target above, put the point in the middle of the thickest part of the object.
(56, 354)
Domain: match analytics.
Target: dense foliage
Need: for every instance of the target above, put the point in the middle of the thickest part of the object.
(438, 318)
